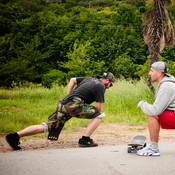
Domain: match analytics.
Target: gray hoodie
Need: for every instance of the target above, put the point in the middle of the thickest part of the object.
(165, 98)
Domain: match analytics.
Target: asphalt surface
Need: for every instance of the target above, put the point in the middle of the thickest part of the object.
(104, 160)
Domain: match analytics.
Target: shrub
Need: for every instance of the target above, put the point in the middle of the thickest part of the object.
(53, 77)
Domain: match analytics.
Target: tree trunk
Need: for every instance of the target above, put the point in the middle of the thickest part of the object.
(156, 34)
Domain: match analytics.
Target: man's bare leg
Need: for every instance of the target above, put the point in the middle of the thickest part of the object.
(93, 125)
(13, 138)
(154, 128)
(85, 141)
(31, 130)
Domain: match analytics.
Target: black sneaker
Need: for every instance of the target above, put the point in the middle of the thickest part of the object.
(13, 141)
(86, 142)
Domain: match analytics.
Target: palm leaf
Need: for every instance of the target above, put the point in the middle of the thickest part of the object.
(169, 31)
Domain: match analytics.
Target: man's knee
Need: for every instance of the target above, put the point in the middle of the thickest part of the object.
(45, 127)
(100, 116)
(153, 120)
(152, 117)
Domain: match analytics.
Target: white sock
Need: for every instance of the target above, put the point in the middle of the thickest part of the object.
(154, 145)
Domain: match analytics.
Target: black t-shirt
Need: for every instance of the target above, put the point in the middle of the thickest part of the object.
(88, 89)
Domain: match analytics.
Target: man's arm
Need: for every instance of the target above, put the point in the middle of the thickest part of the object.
(99, 106)
(163, 99)
(71, 85)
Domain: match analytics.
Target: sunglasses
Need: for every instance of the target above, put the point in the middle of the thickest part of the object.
(111, 84)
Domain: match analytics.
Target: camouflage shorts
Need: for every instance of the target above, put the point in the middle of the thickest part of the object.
(75, 108)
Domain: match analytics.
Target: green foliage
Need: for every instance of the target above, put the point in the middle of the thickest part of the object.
(142, 70)
(149, 6)
(57, 9)
(53, 77)
(123, 66)
(168, 54)
(80, 63)
(10, 12)
(171, 65)
(40, 36)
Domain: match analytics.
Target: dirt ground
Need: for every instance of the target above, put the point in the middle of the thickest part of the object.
(105, 135)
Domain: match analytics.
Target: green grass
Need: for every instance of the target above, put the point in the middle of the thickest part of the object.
(121, 102)
(22, 107)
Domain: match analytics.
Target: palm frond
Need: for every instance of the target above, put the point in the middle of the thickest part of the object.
(169, 31)
(169, 34)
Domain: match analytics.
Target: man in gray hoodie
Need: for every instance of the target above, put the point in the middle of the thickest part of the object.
(162, 111)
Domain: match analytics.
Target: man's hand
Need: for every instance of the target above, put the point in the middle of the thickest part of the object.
(71, 85)
(139, 104)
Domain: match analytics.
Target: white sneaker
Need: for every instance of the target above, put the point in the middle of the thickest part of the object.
(148, 151)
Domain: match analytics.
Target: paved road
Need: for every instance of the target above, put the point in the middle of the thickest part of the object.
(110, 160)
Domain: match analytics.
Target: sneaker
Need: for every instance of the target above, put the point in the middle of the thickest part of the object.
(148, 151)
(86, 142)
(13, 141)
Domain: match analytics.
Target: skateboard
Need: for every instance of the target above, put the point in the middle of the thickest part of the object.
(137, 143)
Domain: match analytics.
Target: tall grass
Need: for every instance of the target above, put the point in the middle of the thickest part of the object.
(22, 107)
(122, 100)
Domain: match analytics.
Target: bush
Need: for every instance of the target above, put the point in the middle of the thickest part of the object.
(171, 65)
(142, 70)
(53, 77)
(123, 66)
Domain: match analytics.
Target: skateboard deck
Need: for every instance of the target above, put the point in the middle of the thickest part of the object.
(138, 142)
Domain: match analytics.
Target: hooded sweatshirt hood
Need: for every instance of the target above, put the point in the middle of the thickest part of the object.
(167, 78)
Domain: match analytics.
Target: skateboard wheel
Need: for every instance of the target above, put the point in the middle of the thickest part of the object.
(129, 149)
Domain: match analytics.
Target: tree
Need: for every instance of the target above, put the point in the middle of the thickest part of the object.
(154, 34)
(80, 63)
(10, 12)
